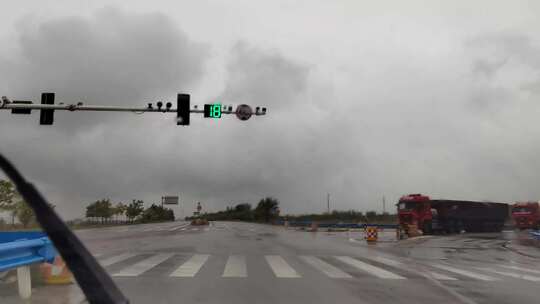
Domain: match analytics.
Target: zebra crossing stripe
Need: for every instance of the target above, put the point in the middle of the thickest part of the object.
(177, 227)
(143, 266)
(376, 271)
(513, 274)
(440, 276)
(397, 264)
(329, 270)
(465, 273)
(280, 268)
(191, 266)
(520, 268)
(115, 259)
(235, 267)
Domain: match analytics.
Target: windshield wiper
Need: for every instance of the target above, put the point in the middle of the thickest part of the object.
(96, 284)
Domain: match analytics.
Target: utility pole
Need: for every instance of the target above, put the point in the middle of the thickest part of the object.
(383, 204)
(328, 202)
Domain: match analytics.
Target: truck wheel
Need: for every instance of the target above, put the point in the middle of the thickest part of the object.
(427, 228)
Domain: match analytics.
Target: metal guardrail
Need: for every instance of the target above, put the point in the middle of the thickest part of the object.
(337, 225)
(18, 250)
(535, 234)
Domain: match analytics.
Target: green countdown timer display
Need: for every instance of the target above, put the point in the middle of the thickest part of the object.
(212, 110)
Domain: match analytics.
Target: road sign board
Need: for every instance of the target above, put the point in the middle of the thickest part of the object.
(170, 200)
(244, 112)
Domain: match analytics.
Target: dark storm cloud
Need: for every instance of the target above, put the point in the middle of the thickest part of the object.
(110, 58)
(148, 156)
(455, 124)
(263, 76)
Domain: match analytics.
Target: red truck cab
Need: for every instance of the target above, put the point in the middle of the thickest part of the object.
(526, 215)
(414, 209)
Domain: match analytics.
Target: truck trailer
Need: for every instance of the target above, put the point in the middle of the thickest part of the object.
(450, 216)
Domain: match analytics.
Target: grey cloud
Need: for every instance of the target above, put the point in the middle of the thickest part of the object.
(262, 76)
(111, 57)
(387, 125)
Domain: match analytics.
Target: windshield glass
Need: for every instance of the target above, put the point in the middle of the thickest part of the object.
(407, 205)
(270, 151)
(521, 210)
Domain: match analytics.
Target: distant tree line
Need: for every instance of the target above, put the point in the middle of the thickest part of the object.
(104, 212)
(267, 210)
(345, 216)
(12, 203)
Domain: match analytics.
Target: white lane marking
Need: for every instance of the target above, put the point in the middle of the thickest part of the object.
(194, 229)
(178, 227)
(520, 268)
(513, 274)
(207, 229)
(326, 268)
(441, 277)
(387, 261)
(97, 255)
(434, 275)
(115, 259)
(147, 229)
(235, 267)
(191, 266)
(465, 273)
(183, 229)
(280, 268)
(143, 266)
(376, 271)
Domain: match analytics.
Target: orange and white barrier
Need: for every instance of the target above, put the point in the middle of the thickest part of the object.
(56, 273)
(371, 234)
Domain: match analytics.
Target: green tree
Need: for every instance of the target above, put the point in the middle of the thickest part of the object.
(101, 209)
(267, 209)
(25, 214)
(105, 210)
(371, 215)
(91, 211)
(119, 209)
(8, 199)
(157, 214)
(134, 209)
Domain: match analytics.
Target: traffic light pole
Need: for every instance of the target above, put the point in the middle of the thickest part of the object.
(76, 107)
(183, 110)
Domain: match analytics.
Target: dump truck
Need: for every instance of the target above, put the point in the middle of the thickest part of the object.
(450, 216)
(526, 215)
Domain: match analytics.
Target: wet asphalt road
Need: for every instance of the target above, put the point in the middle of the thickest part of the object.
(251, 263)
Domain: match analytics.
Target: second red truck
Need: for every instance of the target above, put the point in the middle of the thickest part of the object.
(450, 216)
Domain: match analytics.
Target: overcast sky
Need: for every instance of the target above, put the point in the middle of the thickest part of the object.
(365, 99)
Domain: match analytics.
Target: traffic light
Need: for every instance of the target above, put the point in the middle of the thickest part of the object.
(182, 108)
(46, 117)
